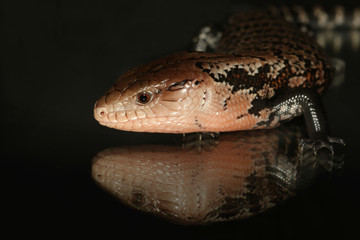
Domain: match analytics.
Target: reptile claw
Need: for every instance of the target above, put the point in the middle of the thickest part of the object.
(316, 145)
(199, 141)
(324, 151)
(306, 144)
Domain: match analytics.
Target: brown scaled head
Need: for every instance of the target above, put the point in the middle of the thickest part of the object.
(158, 97)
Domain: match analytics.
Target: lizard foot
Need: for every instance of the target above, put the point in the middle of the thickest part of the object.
(199, 141)
(329, 152)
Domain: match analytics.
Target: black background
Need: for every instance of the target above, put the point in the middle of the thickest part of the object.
(57, 59)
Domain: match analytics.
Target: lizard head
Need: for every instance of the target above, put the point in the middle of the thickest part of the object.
(159, 97)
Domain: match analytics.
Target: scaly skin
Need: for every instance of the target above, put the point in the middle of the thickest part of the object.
(244, 175)
(264, 71)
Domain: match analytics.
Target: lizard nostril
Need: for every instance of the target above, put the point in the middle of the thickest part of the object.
(100, 112)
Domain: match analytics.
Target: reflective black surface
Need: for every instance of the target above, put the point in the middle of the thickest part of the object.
(209, 179)
(58, 57)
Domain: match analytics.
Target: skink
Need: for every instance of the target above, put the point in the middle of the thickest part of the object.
(264, 71)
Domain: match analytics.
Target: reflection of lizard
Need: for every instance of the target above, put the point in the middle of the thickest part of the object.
(245, 174)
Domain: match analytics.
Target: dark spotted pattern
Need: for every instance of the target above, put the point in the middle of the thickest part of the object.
(280, 50)
(269, 57)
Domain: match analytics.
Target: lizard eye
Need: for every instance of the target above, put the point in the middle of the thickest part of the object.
(143, 97)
